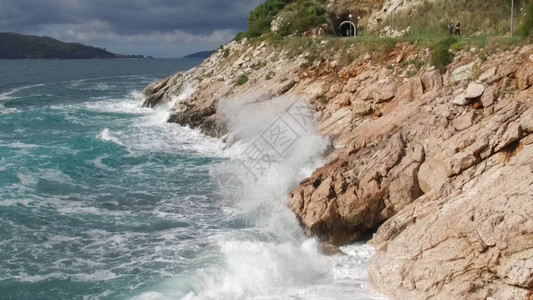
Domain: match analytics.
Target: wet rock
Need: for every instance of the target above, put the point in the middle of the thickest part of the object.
(329, 249)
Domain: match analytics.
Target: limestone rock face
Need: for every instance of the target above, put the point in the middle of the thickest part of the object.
(463, 240)
(346, 198)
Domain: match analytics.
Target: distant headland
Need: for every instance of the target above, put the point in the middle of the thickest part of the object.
(202, 54)
(20, 46)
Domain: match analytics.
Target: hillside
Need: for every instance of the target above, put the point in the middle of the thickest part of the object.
(431, 137)
(396, 18)
(19, 46)
(201, 54)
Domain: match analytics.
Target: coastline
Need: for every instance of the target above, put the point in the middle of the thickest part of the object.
(406, 149)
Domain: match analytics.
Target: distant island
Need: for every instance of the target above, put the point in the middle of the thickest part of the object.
(20, 46)
(202, 54)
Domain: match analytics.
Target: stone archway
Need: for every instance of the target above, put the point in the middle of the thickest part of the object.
(347, 28)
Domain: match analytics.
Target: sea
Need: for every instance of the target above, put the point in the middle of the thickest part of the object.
(101, 198)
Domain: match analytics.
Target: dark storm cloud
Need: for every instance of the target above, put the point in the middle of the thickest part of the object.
(128, 16)
(123, 22)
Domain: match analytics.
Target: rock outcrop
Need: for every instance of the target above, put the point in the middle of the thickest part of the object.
(439, 164)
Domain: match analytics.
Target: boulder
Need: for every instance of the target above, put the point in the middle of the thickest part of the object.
(465, 121)
(417, 88)
(352, 85)
(432, 174)
(474, 90)
(286, 86)
(524, 76)
(487, 74)
(404, 92)
(462, 73)
(460, 100)
(431, 80)
(489, 97)
(385, 93)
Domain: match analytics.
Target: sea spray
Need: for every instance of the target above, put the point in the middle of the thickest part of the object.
(275, 146)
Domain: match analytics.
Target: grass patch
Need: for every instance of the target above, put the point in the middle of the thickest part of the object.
(242, 79)
(477, 17)
(270, 75)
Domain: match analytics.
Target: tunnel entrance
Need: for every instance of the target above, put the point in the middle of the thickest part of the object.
(347, 29)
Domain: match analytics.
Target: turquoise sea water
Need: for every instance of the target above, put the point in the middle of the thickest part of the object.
(102, 199)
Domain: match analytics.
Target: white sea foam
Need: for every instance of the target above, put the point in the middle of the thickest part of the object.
(4, 110)
(163, 111)
(272, 259)
(100, 275)
(106, 136)
(8, 95)
(20, 145)
(131, 104)
(97, 162)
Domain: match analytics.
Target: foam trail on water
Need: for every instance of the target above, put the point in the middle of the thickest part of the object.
(7, 95)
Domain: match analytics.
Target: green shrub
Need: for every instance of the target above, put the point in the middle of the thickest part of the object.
(270, 75)
(259, 18)
(242, 79)
(226, 53)
(302, 15)
(441, 55)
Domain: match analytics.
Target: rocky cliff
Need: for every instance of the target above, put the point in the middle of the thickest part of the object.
(439, 163)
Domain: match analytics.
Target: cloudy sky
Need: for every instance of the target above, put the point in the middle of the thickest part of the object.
(160, 28)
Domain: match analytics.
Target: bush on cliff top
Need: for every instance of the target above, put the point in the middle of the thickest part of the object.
(441, 55)
(302, 15)
(259, 18)
(298, 16)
